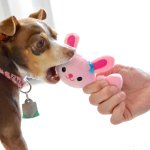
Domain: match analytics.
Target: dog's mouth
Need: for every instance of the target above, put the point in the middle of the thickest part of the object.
(52, 76)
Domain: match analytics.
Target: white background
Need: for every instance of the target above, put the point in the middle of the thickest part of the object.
(67, 120)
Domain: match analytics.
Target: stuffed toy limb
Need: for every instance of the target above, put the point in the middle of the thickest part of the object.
(79, 72)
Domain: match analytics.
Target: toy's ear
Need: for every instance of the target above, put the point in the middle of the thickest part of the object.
(72, 40)
(103, 64)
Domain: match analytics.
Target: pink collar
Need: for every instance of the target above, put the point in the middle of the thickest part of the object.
(14, 78)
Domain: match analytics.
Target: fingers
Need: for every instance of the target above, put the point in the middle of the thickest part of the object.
(109, 99)
(109, 105)
(102, 95)
(95, 86)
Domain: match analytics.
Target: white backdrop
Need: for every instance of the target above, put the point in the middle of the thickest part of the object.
(22, 8)
(67, 120)
(116, 27)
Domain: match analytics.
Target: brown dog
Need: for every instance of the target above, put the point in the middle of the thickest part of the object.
(28, 45)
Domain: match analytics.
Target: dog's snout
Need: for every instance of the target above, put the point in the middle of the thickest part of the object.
(68, 51)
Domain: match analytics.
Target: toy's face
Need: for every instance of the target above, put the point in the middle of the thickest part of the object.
(76, 72)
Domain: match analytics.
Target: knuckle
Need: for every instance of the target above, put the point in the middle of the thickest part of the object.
(107, 92)
(120, 96)
(102, 83)
(110, 90)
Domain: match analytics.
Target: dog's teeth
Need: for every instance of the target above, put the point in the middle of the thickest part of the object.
(52, 76)
(53, 79)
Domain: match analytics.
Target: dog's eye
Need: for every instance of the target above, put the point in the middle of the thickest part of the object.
(79, 79)
(39, 47)
(63, 69)
(40, 43)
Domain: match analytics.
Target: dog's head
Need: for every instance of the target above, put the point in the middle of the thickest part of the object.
(32, 45)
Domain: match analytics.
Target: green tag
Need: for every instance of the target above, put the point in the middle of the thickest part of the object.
(29, 109)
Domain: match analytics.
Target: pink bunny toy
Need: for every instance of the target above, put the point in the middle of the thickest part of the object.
(79, 72)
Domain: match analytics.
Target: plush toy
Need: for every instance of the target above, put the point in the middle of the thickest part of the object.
(79, 72)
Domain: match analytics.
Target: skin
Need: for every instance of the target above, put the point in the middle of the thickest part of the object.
(125, 104)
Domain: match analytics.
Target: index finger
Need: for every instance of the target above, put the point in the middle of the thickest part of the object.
(95, 86)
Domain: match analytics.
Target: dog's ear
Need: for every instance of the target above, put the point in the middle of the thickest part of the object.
(8, 27)
(41, 14)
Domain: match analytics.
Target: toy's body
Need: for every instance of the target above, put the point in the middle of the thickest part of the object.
(79, 72)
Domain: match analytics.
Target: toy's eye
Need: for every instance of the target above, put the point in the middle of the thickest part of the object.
(63, 69)
(79, 79)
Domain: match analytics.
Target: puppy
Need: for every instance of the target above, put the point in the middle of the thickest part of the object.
(29, 45)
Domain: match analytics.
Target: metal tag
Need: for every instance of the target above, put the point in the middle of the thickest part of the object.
(29, 109)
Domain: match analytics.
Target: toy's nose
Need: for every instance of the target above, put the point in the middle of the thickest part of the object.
(70, 75)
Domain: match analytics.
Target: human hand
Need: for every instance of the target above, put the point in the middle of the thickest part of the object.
(125, 104)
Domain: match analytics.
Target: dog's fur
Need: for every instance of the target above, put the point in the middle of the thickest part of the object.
(31, 45)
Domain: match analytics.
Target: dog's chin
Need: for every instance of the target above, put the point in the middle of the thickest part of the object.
(52, 76)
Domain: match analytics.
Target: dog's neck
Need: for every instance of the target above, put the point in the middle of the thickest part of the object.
(8, 69)
(17, 80)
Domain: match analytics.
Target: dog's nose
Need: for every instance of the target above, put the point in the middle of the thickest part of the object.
(69, 51)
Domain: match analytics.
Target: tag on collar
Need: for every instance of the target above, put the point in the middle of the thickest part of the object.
(29, 109)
